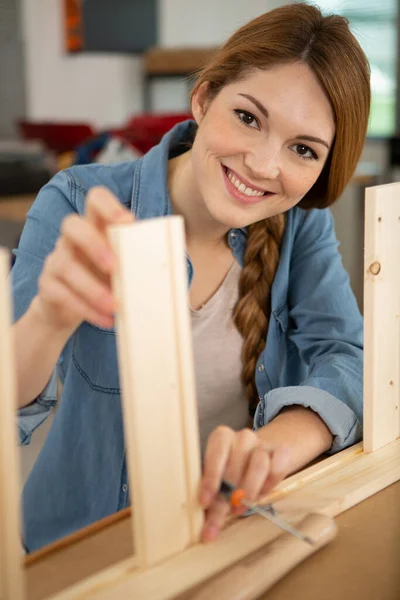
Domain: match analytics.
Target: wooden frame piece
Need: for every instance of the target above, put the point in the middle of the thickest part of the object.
(11, 579)
(160, 416)
(382, 316)
(329, 488)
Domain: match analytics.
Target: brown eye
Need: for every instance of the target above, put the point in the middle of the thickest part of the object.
(247, 118)
(304, 151)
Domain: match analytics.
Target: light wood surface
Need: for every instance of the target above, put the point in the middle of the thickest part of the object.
(11, 575)
(158, 391)
(249, 578)
(382, 316)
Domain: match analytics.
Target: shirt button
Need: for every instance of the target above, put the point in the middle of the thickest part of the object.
(260, 368)
(125, 487)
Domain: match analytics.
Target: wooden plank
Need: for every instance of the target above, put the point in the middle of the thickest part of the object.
(11, 572)
(262, 569)
(381, 316)
(160, 416)
(334, 492)
(176, 61)
(315, 471)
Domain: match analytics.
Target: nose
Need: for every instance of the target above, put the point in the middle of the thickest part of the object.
(263, 162)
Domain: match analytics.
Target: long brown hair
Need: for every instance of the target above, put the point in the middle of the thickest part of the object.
(292, 33)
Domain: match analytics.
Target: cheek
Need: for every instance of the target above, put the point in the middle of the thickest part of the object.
(219, 139)
(298, 184)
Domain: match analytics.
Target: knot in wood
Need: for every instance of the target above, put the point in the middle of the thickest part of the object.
(375, 268)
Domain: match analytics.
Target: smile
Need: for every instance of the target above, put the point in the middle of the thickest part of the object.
(242, 187)
(240, 190)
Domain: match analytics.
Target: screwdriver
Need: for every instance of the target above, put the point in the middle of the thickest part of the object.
(237, 498)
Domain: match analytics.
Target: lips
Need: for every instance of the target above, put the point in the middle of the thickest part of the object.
(242, 190)
(243, 185)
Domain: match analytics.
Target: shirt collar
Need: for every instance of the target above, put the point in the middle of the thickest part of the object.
(150, 197)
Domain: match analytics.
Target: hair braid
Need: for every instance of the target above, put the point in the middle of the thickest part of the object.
(252, 311)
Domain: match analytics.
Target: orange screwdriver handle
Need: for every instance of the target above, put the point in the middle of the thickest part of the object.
(233, 495)
(237, 498)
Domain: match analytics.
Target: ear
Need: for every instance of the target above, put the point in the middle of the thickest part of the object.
(200, 102)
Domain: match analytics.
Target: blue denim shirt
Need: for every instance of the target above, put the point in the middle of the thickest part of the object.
(312, 357)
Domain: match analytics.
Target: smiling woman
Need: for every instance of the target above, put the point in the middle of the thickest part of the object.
(279, 120)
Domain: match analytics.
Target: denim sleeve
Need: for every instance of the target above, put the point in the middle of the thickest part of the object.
(326, 326)
(40, 233)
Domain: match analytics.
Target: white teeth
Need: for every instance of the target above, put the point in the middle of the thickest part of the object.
(241, 186)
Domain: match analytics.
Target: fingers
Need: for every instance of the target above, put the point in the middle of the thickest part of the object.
(66, 282)
(279, 469)
(103, 208)
(57, 293)
(257, 472)
(86, 239)
(75, 284)
(242, 448)
(243, 459)
(215, 459)
(215, 518)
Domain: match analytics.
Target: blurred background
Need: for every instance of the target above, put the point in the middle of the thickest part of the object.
(102, 80)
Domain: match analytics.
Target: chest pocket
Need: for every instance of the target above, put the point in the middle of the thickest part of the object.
(94, 355)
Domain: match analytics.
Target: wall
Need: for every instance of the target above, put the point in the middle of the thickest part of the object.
(99, 89)
(105, 89)
(12, 93)
(205, 23)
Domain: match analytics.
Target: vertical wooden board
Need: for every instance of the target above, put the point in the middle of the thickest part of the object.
(151, 364)
(381, 316)
(189, 412)
(11, 572)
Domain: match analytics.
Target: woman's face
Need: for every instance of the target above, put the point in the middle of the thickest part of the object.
(261, 143)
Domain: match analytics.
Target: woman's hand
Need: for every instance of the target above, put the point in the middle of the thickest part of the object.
(244, 459)
(75, 284)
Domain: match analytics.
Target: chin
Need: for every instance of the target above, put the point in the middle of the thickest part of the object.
(232, 219)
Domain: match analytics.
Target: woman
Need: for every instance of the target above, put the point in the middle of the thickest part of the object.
(280, 117)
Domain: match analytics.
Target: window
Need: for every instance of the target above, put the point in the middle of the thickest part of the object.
(375, 26)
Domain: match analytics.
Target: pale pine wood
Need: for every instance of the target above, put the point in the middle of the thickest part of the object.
(186, 374)
(55, 572)
(11, 572)
(249, 578)
(382, 316)
(160, 416)
(298, 480)
(343, 487)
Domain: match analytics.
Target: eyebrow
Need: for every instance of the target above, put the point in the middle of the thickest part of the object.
(302, 136)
